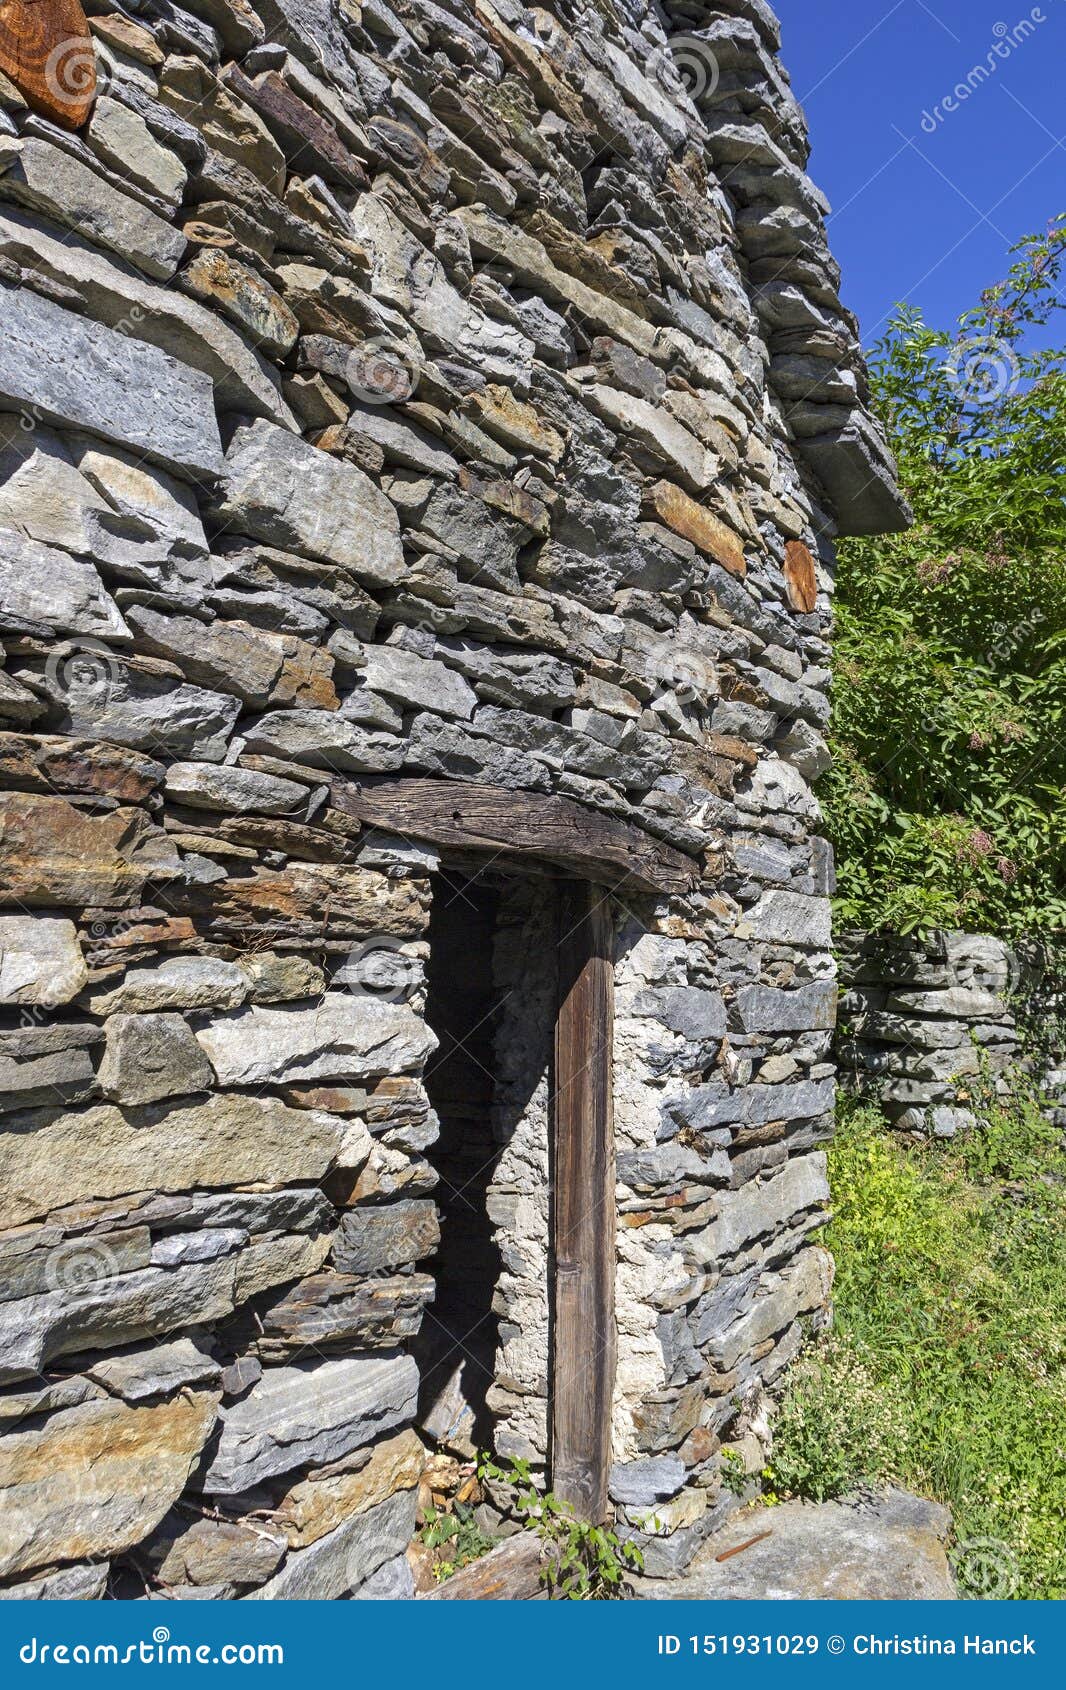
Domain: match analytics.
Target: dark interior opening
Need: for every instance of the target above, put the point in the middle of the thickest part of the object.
(456, 1348)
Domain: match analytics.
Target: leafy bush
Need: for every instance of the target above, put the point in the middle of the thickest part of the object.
(947, 802)
(946, 1370)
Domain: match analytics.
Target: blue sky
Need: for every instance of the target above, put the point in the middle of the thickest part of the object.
(927, 203)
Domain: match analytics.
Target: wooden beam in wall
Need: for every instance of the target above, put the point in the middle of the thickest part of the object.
(585, 1341)
(459, 816)
(47, 52)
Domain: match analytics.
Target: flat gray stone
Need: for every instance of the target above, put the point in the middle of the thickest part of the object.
(148, 1057)
(220, 787)
(343, 1036)
(349, 1556)
(63, 369)
(325, 739)
(888, 1549)
(313, 1412)
(164, 318)
(70, 1584)
(40, 584)
(640, 1483)
(418, 683)
(40, 960)
(374, 1238)
(155, 1370)
(42, 178)
(279, 489)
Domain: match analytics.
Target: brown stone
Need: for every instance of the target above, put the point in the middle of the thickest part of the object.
(95, 1479)
(221, 281)
(46, 50)
(53, 855)
(62, 765)
(800, 577)
(343, 900)
(514, 422)
(695, 522)
(314, 1507)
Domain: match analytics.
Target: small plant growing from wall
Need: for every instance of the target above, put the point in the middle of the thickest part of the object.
(583, 1562)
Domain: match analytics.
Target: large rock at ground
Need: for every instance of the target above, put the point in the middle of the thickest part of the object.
(103, 1151)
(889, 1548)
(280, 489)
(226, 1553)
(40, 960)
(340, 1037)
(68, 370)
(310, 1413)
(95, 1479)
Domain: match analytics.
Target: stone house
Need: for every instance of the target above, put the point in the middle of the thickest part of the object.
(423, 430)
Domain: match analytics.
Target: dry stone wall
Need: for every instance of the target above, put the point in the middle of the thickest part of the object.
(928, 1026)
(440, 389)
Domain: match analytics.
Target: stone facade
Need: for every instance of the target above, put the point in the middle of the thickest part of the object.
(927, 1024)
(446, 390)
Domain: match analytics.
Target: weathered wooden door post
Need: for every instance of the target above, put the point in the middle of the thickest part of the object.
(585, 1344)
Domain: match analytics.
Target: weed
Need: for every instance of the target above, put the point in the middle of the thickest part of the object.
(946, 1370)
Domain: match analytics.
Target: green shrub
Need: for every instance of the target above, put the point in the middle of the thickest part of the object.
(946, 1370)
(947, 801)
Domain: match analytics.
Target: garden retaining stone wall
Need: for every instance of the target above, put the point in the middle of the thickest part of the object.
(926, 1025)
(442, 389)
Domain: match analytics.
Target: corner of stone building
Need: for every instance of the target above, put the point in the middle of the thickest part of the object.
(449, 393)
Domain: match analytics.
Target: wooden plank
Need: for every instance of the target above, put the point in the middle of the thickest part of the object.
(585, 1342)
(460, 816)
(47, 52)
(508, 1573)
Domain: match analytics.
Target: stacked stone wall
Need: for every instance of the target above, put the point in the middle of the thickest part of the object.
(932, 1027)
(434, 389)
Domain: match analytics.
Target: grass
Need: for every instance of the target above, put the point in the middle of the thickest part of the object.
(946, 1367)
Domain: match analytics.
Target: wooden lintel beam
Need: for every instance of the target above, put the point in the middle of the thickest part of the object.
(459, 816)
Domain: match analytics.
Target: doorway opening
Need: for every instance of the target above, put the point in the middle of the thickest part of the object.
(516, 1355)
(458, 1342)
